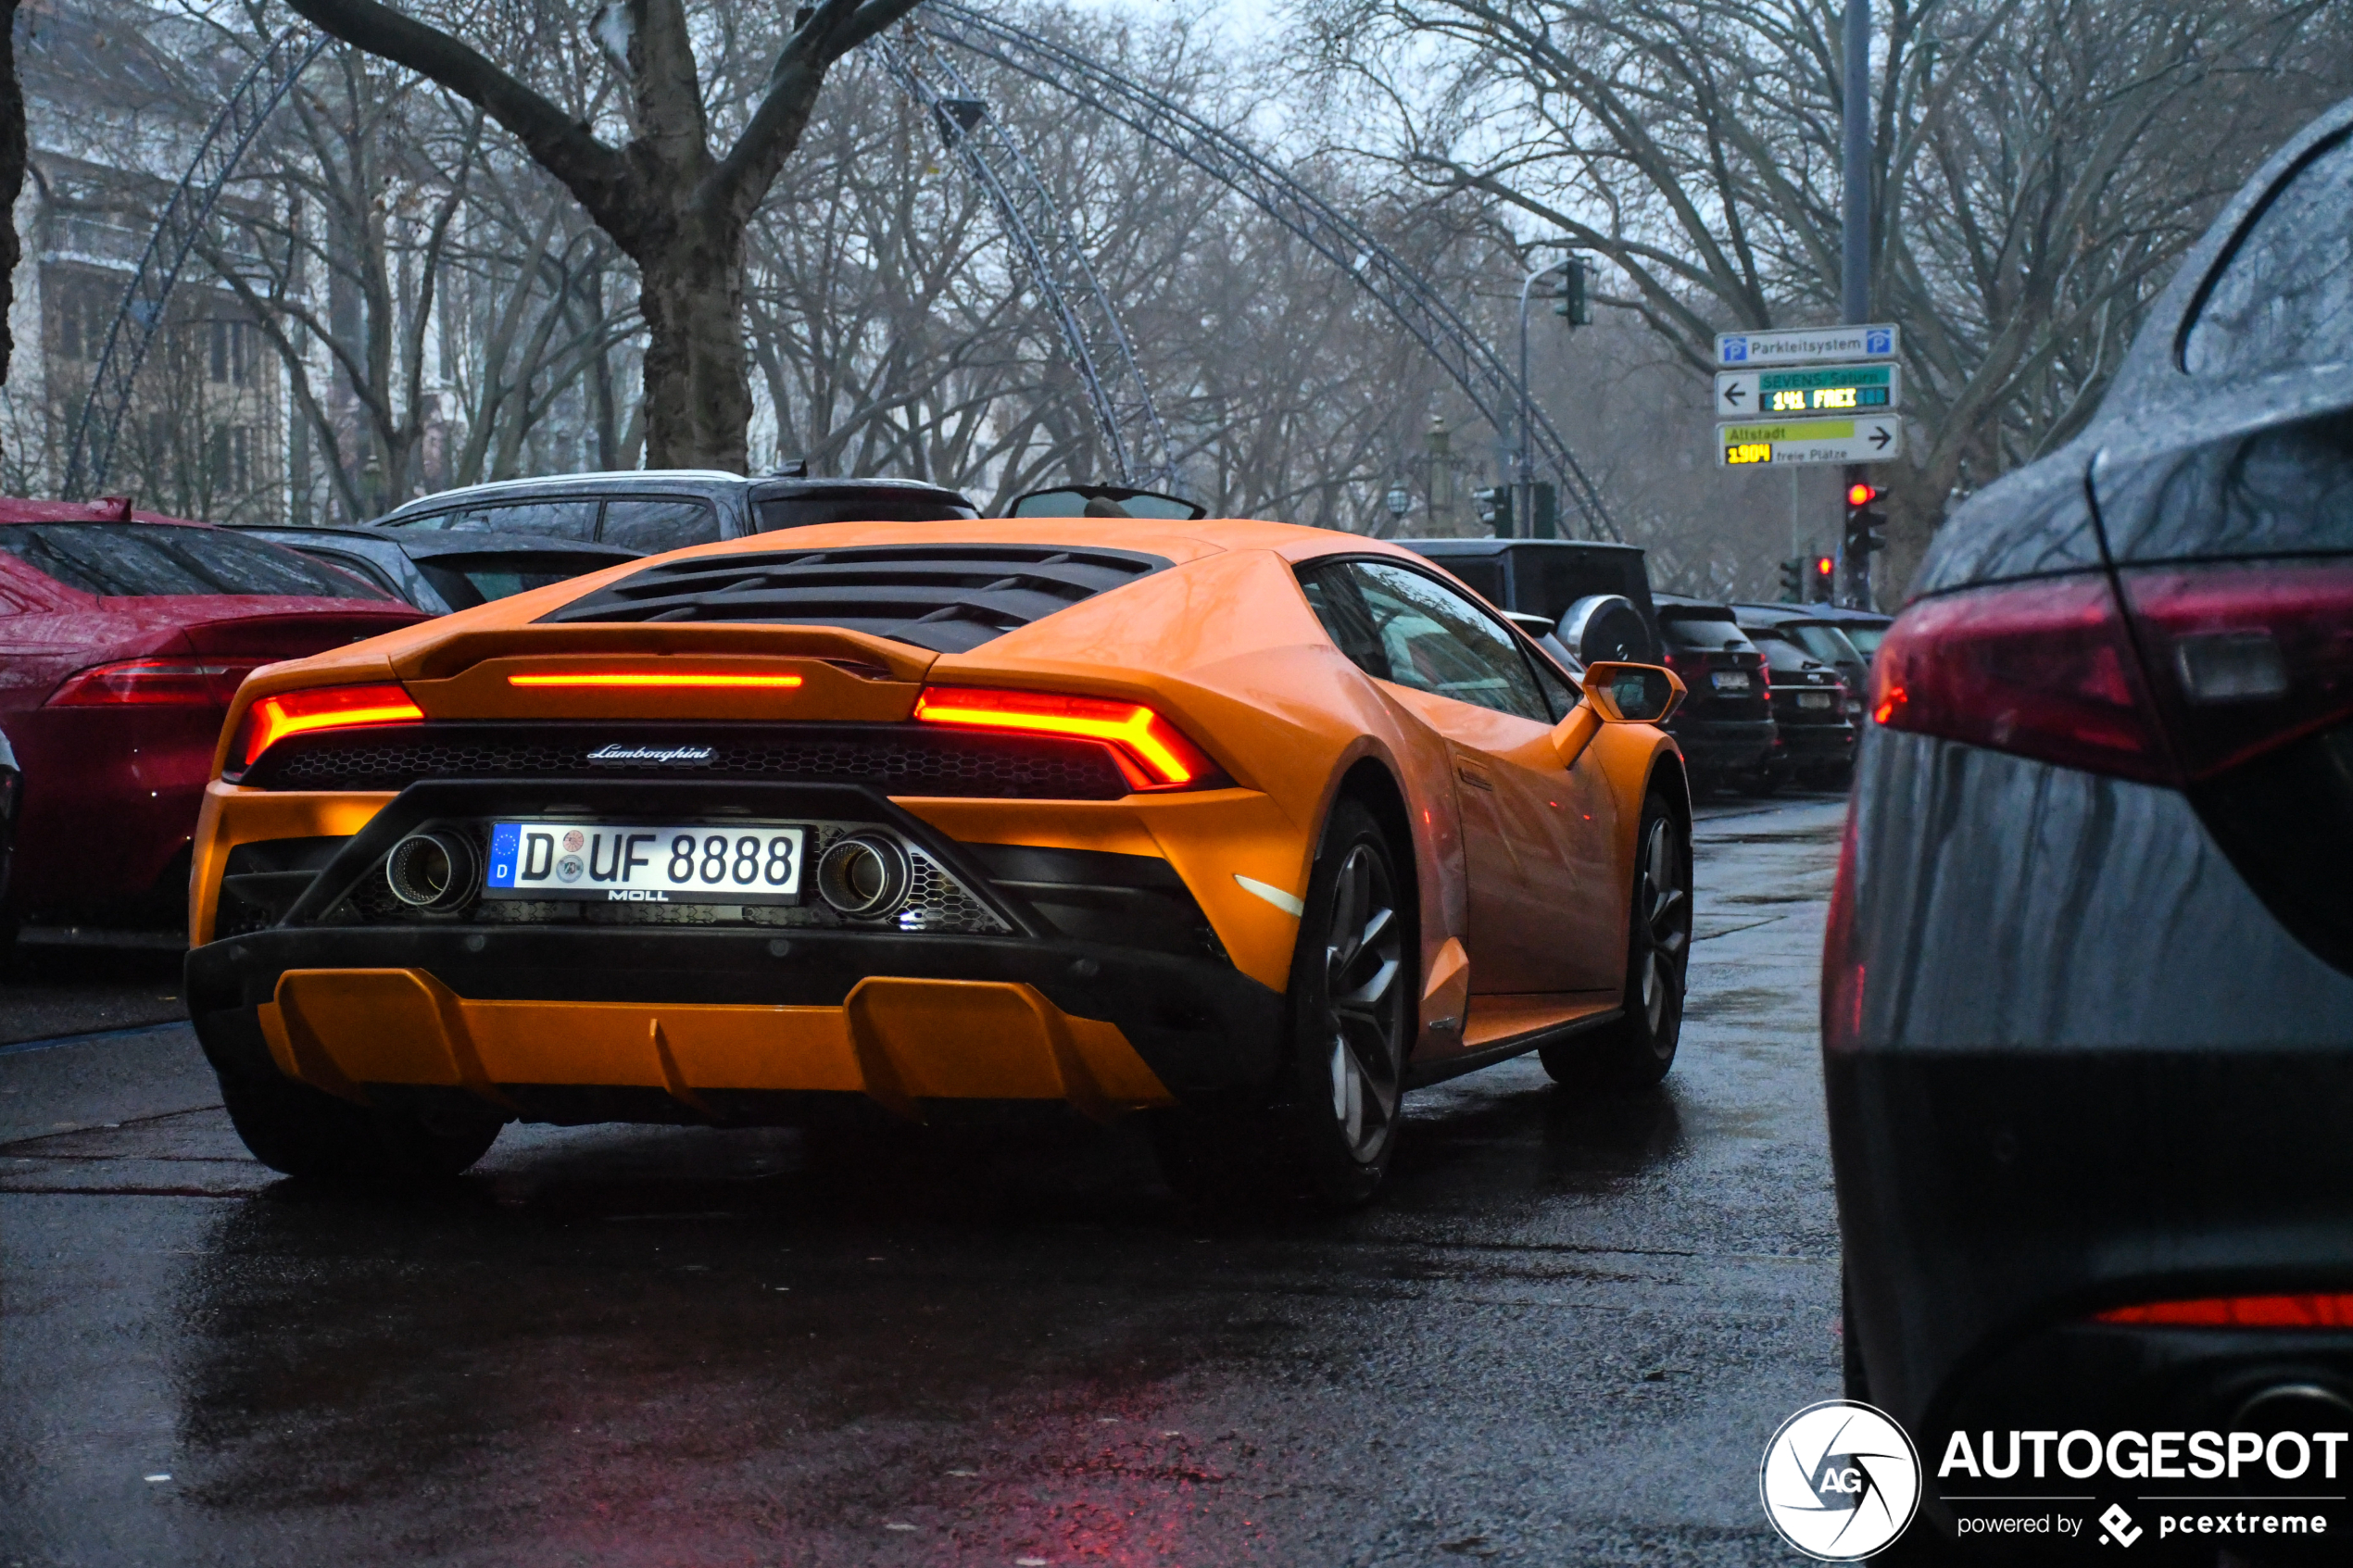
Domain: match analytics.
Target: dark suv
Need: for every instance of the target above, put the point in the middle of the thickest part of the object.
(1726, 724)
(657, 510)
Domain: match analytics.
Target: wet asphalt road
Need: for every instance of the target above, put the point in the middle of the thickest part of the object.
(1563, 1335)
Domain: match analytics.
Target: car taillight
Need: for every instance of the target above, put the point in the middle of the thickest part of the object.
(2245, 656)
(2043, 670)
(154, 682)
(271, 719)
(2333, 1310)
(1151, 751)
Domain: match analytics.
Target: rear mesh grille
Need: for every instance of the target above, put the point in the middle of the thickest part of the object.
(897, 759)
(951, 598)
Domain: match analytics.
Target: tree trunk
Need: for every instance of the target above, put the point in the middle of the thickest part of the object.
(697, 395)
(12, 161)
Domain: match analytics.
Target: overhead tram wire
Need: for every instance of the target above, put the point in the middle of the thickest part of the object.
(1417, 306)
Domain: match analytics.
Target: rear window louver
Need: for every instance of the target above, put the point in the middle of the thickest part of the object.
(946, 598)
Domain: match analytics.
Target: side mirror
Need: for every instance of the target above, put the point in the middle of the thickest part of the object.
(1632, 694)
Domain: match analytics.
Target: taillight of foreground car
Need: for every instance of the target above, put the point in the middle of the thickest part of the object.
(1152, 752)
(2245, 656)
(154, 682)
(2043, 668)
(272, 719)
(2331, 1310)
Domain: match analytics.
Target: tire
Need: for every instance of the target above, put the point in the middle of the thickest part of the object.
(1329, 1124)
(1637, 1050)
(306, 1132)
(1856, 1381)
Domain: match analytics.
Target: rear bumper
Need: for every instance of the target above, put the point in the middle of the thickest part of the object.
(1811, 745)
(727, 1025)
(2072, 1064)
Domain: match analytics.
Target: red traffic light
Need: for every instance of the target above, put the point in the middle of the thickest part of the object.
(1824, 566)
(1861, 495)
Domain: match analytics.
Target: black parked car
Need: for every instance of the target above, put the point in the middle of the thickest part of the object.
(440, 572)
(1814, 721)
(2087, 998)
(656, 510)
(1726, 724)
(11, 794)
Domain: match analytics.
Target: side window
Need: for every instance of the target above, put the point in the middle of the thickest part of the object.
(1333, 594)
(1435, 640)
(2283, 295)
(1559, 695)
(671, 523)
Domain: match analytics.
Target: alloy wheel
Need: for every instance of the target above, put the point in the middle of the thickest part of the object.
(1663, 900)
(1362, 956)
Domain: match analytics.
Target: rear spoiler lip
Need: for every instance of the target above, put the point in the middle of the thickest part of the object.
(451, 656)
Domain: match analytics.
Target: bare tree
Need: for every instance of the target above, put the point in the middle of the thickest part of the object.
(2037, 167)
(673, 204)
(12, 165)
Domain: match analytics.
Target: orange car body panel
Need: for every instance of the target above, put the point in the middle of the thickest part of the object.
(1222, 644)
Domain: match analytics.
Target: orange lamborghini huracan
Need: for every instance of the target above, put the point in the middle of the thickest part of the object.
(1246, 826)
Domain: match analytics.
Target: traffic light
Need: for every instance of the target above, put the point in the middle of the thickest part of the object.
(1824, 579)
(1575, 301)
(1494, 508)
(1794, 580)
(1864, 518)
(1544, 510)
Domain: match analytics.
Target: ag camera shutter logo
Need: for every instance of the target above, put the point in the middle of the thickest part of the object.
(1840, 1480)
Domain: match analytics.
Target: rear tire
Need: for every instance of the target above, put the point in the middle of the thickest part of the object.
(1328, 1127)
(1636, 1051)
(304, 1131)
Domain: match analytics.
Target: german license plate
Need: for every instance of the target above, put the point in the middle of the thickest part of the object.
(1813, 699)
(1730, 680)
(632, 863)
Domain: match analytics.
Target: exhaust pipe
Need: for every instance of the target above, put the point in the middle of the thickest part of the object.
(432, 870)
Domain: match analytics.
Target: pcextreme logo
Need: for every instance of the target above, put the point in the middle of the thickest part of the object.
(1840, 1480)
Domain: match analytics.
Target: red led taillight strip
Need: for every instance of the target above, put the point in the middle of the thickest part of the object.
(272, 719)
(1152, 752)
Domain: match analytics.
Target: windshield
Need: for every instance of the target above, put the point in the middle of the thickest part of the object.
(149, 560)
(1826, 643)
(466, 580)
(801, 511)
(1865, 638)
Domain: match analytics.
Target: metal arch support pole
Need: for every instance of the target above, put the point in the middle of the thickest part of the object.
(251, 101)
(1475, 367)
(1058, 267)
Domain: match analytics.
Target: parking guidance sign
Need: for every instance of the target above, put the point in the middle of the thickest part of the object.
(1822, 389)
(1807, 345)
(1778, 443)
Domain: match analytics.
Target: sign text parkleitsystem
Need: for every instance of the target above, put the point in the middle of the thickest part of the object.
(1807, 345)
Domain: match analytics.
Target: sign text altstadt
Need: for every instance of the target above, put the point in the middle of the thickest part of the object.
(1778, 444)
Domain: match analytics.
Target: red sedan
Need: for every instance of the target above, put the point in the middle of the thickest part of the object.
(122, 635)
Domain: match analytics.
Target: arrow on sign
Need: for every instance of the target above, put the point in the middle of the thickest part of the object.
(1734, 391)
(1880, 436)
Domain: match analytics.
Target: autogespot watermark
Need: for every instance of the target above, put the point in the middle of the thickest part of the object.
(1840, 1480)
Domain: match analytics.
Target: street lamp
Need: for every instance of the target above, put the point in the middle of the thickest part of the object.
(1571, 271)
(1400, 501)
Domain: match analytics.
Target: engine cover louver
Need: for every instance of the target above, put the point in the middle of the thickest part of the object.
(946, 598)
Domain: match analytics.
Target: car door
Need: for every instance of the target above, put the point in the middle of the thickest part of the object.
(1525, 820)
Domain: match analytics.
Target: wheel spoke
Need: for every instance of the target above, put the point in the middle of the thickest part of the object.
(1366, 996)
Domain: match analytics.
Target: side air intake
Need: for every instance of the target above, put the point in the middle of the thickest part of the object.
(946, 598)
